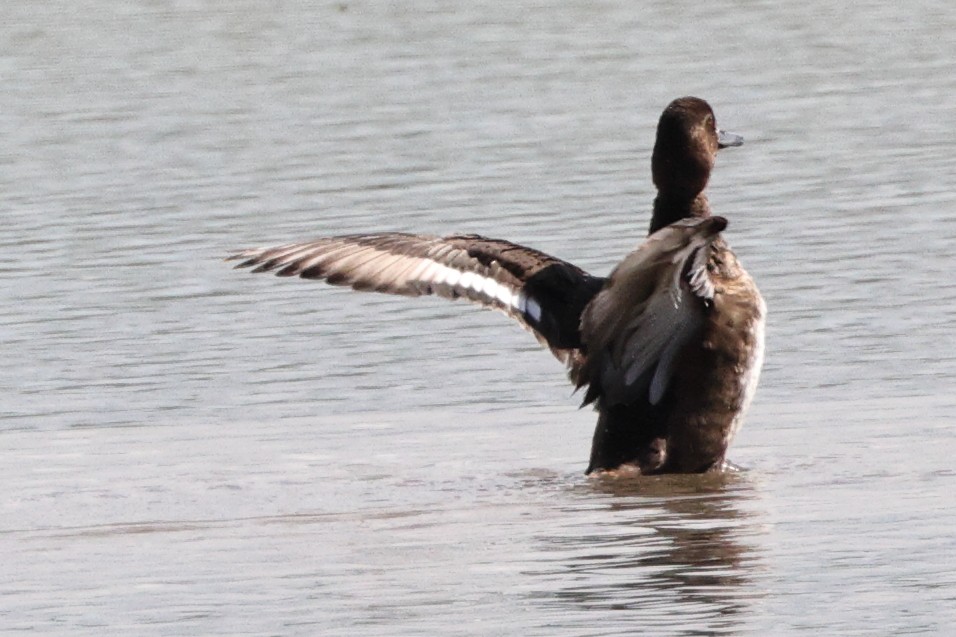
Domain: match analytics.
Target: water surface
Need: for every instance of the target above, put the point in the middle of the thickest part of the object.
(192, 450)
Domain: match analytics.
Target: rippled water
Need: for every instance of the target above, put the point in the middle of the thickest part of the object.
(192, 450)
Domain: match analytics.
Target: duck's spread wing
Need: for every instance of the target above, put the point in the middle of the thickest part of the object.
(652, 305)
(543, 293)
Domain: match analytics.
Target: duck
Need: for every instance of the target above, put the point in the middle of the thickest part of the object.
(668, 348)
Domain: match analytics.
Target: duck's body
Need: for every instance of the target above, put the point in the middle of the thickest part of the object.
(713, 366)
(717, 366)
(670, 345)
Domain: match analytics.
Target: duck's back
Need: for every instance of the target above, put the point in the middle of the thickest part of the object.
(679, 410)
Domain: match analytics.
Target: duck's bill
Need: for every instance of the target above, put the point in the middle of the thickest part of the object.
(725, 139)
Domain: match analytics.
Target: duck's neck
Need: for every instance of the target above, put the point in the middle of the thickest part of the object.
(667, 210)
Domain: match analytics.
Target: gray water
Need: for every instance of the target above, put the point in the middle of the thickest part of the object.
(190, 450)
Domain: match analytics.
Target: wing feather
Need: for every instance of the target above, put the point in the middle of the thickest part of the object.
(653, 304)
(546, 295)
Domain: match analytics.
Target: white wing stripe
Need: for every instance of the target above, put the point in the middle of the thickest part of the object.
(452, 276)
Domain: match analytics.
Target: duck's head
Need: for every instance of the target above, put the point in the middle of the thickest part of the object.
(687, 143)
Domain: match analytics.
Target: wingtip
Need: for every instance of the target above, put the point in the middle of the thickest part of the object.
(242, 264)
(243, 256)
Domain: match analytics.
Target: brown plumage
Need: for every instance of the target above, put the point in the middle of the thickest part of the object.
(669, 346)
(494, 273)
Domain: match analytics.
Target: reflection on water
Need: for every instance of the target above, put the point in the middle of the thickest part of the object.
(678, 552)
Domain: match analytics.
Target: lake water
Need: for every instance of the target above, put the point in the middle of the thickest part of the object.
(191, 450)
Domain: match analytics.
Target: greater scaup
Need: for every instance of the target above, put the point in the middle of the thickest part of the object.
(669, 346)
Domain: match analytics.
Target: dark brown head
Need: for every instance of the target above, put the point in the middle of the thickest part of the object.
(686, 148)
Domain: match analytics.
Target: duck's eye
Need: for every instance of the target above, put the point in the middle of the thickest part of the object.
(710, 122)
